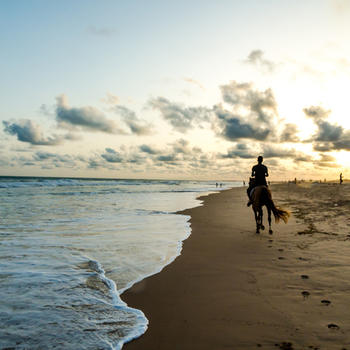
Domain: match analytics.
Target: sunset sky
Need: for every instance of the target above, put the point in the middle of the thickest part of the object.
(191, 89)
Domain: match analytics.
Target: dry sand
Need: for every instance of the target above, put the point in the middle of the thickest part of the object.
(234, 289)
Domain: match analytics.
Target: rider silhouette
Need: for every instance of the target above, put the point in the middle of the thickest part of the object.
(258, 177)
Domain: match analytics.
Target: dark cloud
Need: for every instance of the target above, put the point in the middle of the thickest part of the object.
(326, 161)
(289, 133)
(259, 104)
(272, 151)
(167, 158)
(316, 113)
(28, 131)
(329, 137)
(94, 164)
(88, 118)
(136, 125)
(256, 58)
(268, 151)
(232, 128)
(241, 150)
(328, 132)
(344, 142)
(148, 149)
(112, 156)
(58, 160)
(180, 117)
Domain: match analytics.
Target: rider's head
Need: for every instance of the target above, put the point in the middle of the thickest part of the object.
(260, 159)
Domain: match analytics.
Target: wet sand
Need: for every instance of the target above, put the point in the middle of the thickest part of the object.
(234, 289)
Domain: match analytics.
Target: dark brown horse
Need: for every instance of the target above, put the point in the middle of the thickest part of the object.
(262, 196)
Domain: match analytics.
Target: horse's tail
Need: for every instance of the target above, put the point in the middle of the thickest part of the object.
(278, 213)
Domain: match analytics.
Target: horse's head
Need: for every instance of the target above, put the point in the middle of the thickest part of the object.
(251, 181)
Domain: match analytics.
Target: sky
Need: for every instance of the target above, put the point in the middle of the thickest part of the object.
(186, 89)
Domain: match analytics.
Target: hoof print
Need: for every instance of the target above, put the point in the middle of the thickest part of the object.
(281, 258)
(305, 293)
(280, 249)
(304, 277)
(285, 346)
(325, 302)
(333, 326)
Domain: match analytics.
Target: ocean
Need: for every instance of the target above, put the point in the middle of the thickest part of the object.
(69, 248)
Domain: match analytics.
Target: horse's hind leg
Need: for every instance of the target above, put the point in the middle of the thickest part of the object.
(257, 221)
(269, 219)
(261, 219)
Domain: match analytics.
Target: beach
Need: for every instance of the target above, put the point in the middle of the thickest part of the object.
(234, 289)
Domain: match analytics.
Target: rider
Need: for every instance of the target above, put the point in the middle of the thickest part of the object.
(259, 173)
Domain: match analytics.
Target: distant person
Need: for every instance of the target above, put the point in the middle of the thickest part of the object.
(341, 178)
(258, 177)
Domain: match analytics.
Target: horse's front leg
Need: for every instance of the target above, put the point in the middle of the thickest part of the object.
(269, 218)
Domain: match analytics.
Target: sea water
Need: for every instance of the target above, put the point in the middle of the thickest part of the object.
(70, 247)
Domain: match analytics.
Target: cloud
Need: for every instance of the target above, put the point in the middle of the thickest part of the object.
(148, 149)
(241, 150)
(112, 156)
(88, 118)
(259, 104)
(268, 151)
(328, 132)
(167, 158)
(28, 131)
(289, 133)
(46, 110)
(326, 161)
(316, 113)
(110, 99)
(272, 151)
(194, 82)
(232, 128)
(180, 117)
(256, 58)
(136, 125)
(329, 136)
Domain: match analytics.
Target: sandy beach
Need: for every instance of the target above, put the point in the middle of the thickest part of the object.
(233, 289)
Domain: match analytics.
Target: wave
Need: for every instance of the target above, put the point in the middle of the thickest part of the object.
(118, 303)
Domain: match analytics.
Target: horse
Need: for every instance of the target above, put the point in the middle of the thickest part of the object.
(262, 196)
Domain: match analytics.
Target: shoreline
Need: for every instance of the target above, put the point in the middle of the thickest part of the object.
(231, 288)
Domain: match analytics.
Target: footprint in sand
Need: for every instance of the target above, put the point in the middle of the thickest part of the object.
(302, 259)
(285, 345)
(280, 249)
(333, 326)
(304, 277)
(305, 294)
(325, 302)
(270, 240)
(281, 258)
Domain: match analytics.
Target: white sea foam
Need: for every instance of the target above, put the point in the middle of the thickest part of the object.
(50, 226)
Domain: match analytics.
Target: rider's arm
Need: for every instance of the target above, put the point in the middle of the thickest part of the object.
(267, 173)
(253, 172)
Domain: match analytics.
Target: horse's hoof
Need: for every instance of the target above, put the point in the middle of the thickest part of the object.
(262, 227)
(257, 231)
(270, 232)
